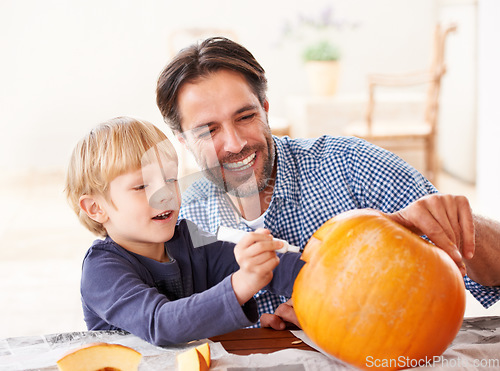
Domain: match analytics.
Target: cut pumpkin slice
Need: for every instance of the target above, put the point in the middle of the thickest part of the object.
(194, 359)
(96, 356)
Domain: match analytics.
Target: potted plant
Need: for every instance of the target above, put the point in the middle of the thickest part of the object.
(322, 67)
(319, 37)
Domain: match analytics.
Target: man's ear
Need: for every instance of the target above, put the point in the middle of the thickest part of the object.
(180, 137)
(266, 106)
(91, 206)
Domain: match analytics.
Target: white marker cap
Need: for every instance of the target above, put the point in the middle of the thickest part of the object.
(235, 235)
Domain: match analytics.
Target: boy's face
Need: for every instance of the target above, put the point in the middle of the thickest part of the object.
(143, 207)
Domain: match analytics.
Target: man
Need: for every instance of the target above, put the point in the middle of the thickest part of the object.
(213, 96)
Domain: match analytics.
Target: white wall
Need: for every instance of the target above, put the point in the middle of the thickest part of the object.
(488, 159)
(68, 65)
(458, 114)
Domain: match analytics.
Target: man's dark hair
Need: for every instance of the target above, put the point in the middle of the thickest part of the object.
(200, 60)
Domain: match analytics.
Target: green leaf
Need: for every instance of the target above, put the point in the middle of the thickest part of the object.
(321, 51)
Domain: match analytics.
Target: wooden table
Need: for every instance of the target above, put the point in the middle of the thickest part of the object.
(259, 340)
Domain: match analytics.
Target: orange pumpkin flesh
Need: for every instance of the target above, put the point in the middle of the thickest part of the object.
(372, 293)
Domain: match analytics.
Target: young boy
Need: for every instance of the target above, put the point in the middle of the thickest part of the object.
(161, 279)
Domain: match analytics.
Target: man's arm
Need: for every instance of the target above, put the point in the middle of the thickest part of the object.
(484, 267)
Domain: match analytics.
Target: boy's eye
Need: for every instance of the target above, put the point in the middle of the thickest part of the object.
(140, 187)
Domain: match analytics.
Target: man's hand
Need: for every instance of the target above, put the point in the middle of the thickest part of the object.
(280, 320)
(447, 221)
(256, 256)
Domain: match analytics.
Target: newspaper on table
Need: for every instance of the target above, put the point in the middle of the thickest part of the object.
(476, 347)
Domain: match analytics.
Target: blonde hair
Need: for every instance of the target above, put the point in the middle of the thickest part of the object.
(112, 148)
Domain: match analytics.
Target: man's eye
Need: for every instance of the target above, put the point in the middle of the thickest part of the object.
(204, 134)
(247, 117)
(170, 180)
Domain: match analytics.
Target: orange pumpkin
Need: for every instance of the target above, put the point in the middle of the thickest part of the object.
(376, 295)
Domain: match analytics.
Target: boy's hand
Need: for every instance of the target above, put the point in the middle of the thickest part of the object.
(256, 256)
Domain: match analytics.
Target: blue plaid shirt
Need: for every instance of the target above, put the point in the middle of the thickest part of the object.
(317, 179)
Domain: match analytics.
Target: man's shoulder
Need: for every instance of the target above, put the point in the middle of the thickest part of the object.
(318, 147)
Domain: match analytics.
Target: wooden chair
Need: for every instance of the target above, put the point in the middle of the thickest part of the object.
(409, 134)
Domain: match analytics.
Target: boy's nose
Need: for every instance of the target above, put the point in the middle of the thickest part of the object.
(161, 197)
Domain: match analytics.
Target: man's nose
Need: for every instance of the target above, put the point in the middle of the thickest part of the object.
(234, 141)
(161, 197)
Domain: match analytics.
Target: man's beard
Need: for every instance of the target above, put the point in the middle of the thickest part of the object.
(249, 184)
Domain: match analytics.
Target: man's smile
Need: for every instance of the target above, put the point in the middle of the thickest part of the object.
(244, 164)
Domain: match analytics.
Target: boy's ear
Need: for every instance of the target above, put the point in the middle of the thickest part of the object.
(91, 207)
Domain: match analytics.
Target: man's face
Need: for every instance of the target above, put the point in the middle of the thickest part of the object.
(226, 129)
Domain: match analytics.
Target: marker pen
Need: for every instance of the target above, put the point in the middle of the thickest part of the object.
(235, 235)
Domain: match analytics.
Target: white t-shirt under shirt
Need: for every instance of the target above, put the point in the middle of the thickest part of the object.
(256, 223)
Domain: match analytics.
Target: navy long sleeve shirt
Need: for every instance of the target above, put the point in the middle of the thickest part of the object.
(190, 297)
